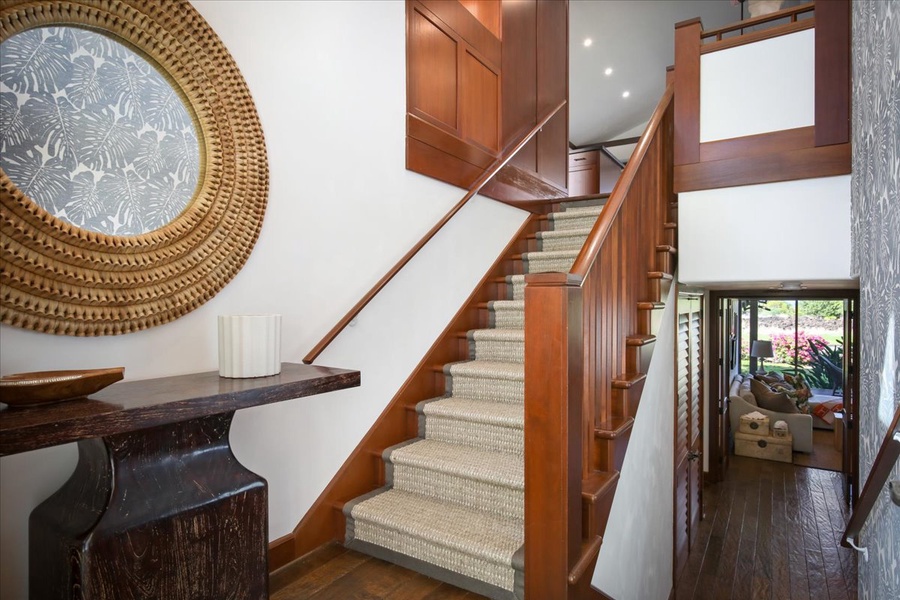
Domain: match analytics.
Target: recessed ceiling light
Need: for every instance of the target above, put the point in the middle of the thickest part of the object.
(626, 93)
(588, 42)
(608, 71)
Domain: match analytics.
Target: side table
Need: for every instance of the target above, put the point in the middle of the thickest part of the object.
(158, 505)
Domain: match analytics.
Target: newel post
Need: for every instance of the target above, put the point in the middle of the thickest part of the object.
(687, 91)
(553, 432)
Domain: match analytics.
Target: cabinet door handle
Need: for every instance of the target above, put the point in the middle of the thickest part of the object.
(582, 158)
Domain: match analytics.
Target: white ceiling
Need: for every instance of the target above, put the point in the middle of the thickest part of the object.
(636, 39)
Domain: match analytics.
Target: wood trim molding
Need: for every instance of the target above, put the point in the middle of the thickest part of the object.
(757, 36)
(420, 127)
(687, 92)
(806, 163)
(754, 145)
(281, 552)
(832, 72)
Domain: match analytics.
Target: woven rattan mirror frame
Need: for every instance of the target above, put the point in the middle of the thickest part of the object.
(57, 278)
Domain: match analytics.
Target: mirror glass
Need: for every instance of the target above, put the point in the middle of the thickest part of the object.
(94, 133)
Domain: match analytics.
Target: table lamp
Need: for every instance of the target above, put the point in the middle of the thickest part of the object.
(761, 349)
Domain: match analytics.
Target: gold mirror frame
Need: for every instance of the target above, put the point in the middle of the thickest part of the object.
(57, 278)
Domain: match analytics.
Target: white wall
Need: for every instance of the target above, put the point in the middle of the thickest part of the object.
(636, 556)
(772, 232)
(765, 86)
(329, 80)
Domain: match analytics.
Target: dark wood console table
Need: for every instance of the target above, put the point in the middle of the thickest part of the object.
(158, 506)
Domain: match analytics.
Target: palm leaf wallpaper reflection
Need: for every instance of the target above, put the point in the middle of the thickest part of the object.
(93, 133)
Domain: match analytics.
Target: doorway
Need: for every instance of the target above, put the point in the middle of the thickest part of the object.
(804, 336)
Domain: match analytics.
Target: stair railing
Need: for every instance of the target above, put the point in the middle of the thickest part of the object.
(508, 153)
(575, 329)
(884, 463)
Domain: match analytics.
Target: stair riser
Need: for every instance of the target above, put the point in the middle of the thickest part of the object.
(659, 289)
(503, 351)
(637, 358)
(595, 515)
(582, 222)
(506, 318)
(464, 491)
(447, 558)
(566, 243)
(538, 264)
(485, 436)
(665, 262)
(477, 388)
(649, 321)
(610, 453)
(625, 401)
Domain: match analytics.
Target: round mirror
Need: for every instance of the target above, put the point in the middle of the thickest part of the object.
(134, 176)
(93, 132)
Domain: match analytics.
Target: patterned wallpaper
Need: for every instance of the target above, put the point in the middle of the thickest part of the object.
(875, 215)
(93, 133)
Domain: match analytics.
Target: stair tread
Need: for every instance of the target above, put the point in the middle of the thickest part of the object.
(639, 339)
(651, 305)
(614, 427)
(597, 483)
(627, 380)
(576, 213)
(659, 275)
(477, 411)
(495, 468)
(491, 537)
(550, 254)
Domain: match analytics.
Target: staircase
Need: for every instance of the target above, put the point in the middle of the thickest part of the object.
(452, 505)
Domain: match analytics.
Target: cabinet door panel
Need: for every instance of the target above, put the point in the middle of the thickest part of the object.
(480, 94)
(432, 70)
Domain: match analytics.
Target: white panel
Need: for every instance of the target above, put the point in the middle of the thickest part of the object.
(786, 231)
(635, 560)
(758, 87)
(341, 212)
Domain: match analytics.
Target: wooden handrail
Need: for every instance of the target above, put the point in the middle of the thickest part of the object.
(791, 12)
(878, 476)
(479, 183)
(601, 228)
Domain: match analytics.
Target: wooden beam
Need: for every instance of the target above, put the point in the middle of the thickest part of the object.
(806, 163)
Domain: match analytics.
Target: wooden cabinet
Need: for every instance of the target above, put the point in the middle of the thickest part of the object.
(584, 174)
(481, 74)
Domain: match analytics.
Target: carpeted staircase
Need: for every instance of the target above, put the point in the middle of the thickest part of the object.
(453, 504)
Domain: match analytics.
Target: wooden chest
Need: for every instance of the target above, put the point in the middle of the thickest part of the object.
(764, 446)
(759, 426)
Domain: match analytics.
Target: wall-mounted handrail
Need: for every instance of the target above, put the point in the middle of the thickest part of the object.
(878, 476)
(791, 12)
(601, 228)
(508, 153)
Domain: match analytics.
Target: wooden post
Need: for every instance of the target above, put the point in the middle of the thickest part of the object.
(553, 436)
(832, 72)
(687, 91)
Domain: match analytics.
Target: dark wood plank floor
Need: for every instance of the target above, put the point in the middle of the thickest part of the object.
(335, 573)
(771, 530)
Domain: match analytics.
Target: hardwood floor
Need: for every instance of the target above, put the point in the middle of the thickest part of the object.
(334, 573)
(771, 530)
(824, 454)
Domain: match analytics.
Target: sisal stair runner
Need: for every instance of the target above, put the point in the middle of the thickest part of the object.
(453, 503)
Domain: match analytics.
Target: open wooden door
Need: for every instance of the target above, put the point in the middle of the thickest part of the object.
(688, 426)
(850, 438)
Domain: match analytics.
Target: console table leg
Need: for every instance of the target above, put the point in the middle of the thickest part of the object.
(166, 512)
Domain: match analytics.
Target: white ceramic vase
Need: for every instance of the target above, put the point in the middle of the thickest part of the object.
(249, 345)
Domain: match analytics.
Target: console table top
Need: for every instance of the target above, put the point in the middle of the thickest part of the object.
(134, 405)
